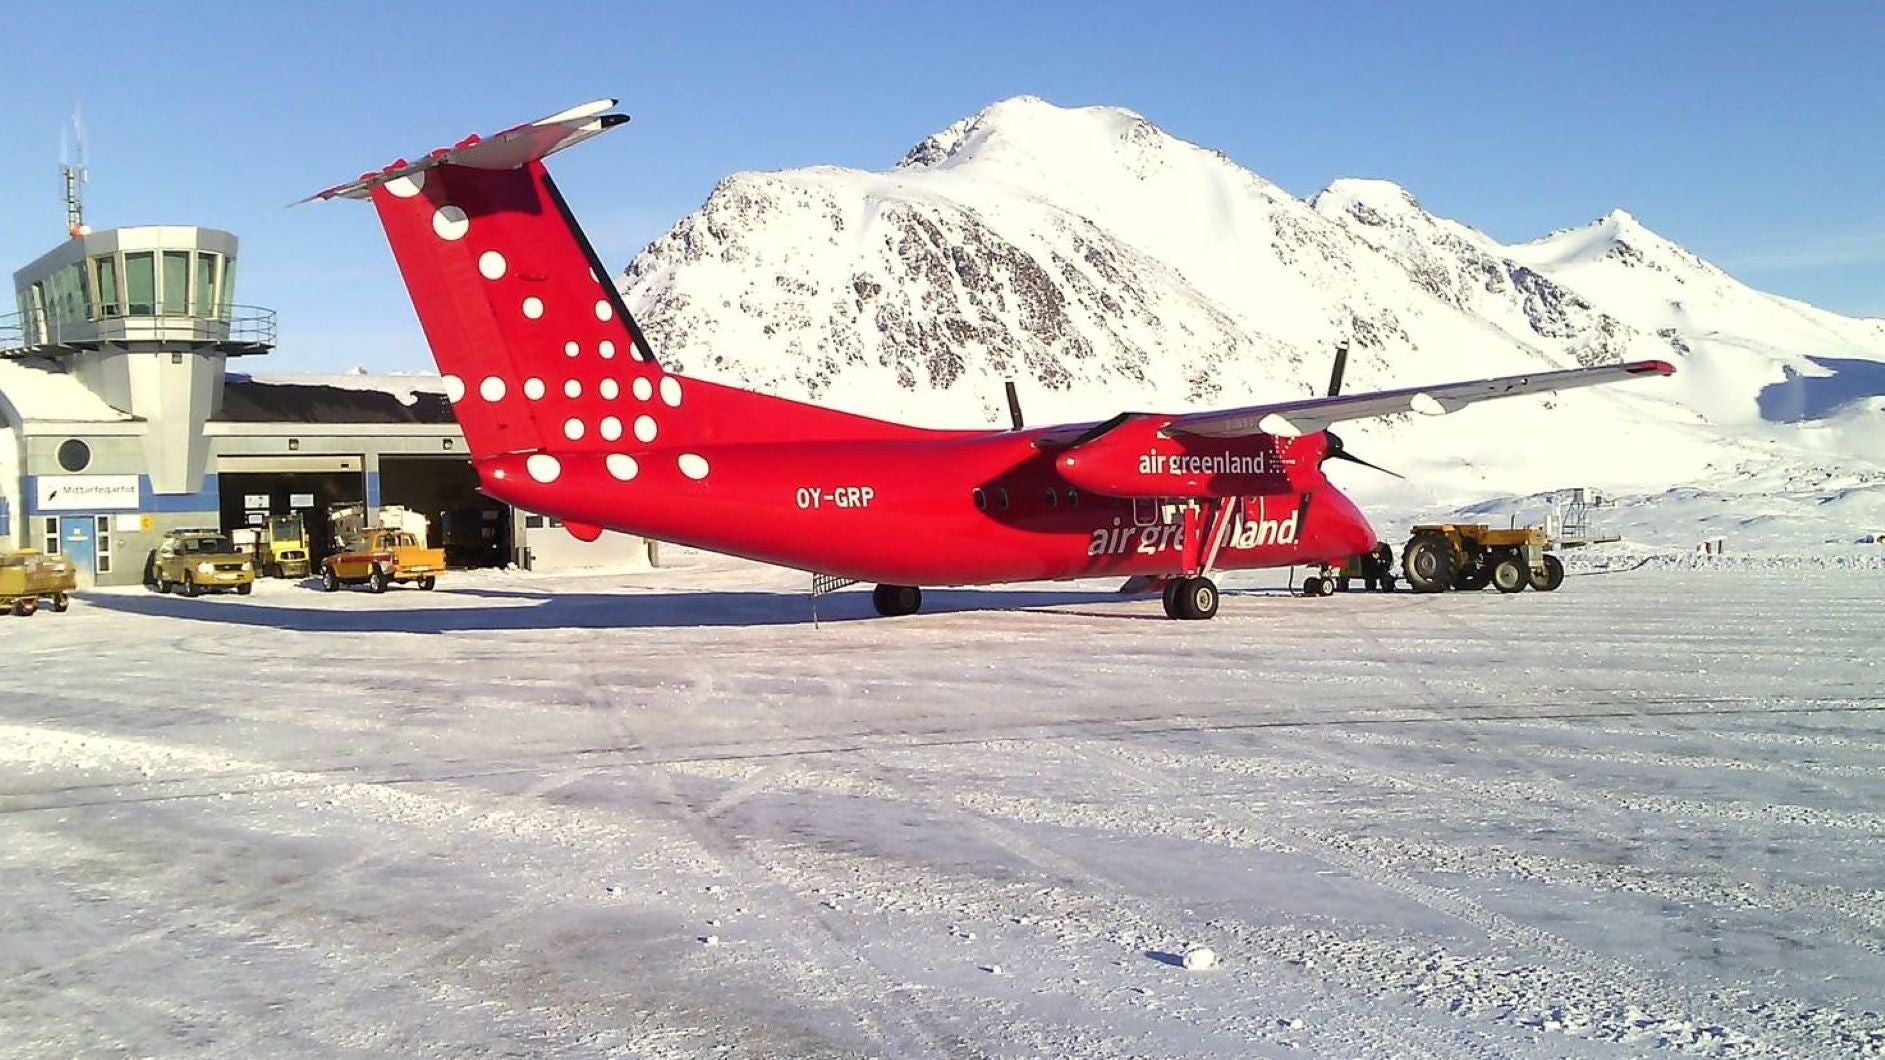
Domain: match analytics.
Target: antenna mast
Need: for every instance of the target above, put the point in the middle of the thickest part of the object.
(74, 177)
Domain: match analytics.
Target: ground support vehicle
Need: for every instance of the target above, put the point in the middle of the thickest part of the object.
(281, 550)
(29, 576)
(378, 558)
(1374, 570)
(201, 560)
(1470, 556)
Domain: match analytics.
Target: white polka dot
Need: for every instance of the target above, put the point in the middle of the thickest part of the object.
(533, 307)
(610, 389)
(671, 391)
(573, 429)
(645, 428)
(454, 388)
(635, 352)
(491, 265)
(611, 428)
(407, 186)
(570, 349)
(492, 389)
(543, 467)
(449, 222)
(572, 389)
(643, 388)
(604, 310)
(607, 349)
(693, 465)
(533, 388)
(622, 466)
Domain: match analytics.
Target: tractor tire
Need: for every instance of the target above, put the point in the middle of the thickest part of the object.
(1473, 579)
(1195, 600)
(894, 600)
(1510, 574)
(1552, 576)
(1427, 564)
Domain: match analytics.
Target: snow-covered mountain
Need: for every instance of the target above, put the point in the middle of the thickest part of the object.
(1106, 265)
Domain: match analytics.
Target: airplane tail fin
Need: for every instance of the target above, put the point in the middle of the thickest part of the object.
(537, 350)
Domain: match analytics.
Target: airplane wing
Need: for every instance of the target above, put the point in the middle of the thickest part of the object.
(1308, 415)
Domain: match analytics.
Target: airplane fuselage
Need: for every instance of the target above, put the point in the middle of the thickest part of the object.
(938, 508)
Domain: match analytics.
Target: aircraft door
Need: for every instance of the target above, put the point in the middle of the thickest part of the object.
(1157, 511)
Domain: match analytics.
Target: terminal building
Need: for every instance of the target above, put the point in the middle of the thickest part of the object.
(126, 411)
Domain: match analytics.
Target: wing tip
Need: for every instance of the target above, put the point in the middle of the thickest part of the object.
(1650, 368)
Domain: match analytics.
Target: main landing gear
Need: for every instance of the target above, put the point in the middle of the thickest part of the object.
(893, 600)
(1190, 599)
(1320, 584)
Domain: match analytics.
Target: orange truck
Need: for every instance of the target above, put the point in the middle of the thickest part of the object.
(380, 557)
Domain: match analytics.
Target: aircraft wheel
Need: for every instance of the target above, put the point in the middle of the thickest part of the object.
(1510, 574)
(1328, 587)
(894, 600)
(1195, 599)
(330, 582)
(1170, 597)
(1312, 586)
(1428, 564)
(1551, 577)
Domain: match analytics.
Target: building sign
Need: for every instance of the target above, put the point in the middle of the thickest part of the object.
(255, 500)
(301, 500)
(85, 493)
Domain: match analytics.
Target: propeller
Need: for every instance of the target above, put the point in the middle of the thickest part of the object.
(1336, 450)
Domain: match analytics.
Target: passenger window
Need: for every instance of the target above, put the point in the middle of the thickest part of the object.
(1053, 498)
(1073, 498)
(1001, 499)
(981, 500)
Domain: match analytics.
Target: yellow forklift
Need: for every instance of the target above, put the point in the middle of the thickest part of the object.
(1471, 556)
(281, 547)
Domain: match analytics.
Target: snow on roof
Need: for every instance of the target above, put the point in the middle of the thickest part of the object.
(38, 389)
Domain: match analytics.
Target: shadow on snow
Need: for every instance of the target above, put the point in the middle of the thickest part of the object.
(1805, 397)
(520, 610)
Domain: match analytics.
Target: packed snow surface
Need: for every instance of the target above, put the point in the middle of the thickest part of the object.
(663, 814)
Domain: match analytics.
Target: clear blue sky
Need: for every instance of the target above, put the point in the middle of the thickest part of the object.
(1753, 133)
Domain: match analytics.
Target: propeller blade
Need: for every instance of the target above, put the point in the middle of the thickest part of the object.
(1335, 375)
(1343, 454)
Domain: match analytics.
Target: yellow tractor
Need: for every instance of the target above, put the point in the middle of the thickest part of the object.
(1471, 556)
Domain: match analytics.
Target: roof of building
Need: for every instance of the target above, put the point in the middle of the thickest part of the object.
(334, 399)
(34, 388)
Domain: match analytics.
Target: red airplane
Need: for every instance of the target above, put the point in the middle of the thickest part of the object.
(568, 413)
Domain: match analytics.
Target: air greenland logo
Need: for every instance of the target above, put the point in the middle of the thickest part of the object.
(1225, 463)
(1251, 533)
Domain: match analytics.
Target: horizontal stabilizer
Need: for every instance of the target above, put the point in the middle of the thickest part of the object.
(513, 148)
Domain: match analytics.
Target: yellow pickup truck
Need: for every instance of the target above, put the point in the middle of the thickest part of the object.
(378, 558)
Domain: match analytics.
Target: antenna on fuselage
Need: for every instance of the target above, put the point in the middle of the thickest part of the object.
(1014, 404)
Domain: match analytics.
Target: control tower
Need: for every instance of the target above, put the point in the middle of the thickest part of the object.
(145, 318)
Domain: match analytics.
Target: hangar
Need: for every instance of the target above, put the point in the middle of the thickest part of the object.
(121, 418)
